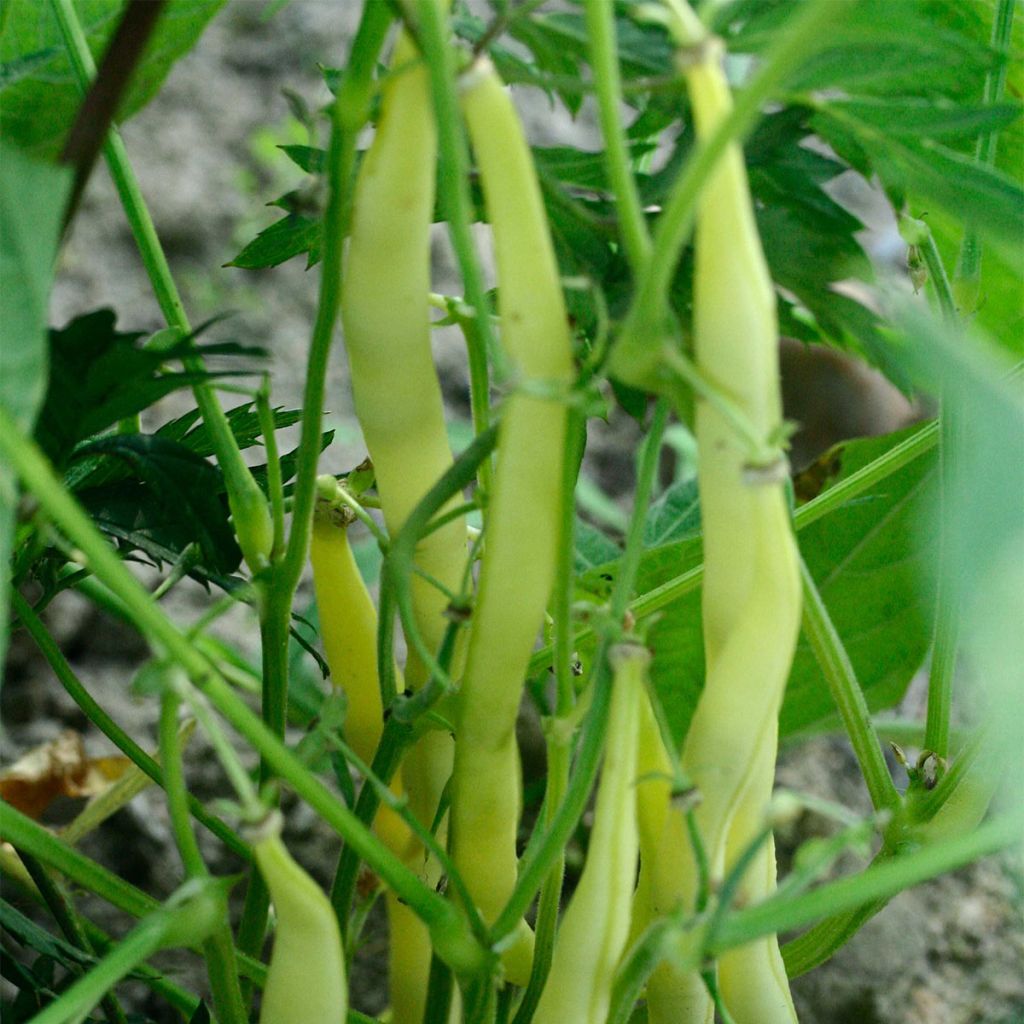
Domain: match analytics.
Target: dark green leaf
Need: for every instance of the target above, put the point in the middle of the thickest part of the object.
(39, 94)
(243, 419)
(99, 375)
(309, 158)
(579, 168)
(174, 498)
(281, 241)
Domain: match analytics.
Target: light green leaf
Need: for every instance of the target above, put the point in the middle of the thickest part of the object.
(31, 204)
(39, 94)
(868, 558)
(982, 519)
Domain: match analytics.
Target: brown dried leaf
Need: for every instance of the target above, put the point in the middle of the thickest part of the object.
(55, 769)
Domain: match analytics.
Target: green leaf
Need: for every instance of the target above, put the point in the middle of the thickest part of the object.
(868, 558)
(593, 548)
(310, 158)
(39, 94)
(916, 117)
(174, 498)
(31, 205)
(99, 375)
(932, 173)
(243, 419)
(291, 236)
(675, 515)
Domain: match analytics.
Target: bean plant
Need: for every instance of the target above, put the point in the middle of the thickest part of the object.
(741, 603)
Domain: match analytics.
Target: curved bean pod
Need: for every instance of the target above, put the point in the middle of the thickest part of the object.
(593, 933)
(306, 978)
(522, 524)
(751, 597)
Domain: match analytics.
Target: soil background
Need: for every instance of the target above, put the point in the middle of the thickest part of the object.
(950, 952)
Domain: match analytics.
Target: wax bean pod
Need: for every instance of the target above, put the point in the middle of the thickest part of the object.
(306, 979)
(386, 320)
(593, 933)
(522, 523)
(348, 628)
(751, 596)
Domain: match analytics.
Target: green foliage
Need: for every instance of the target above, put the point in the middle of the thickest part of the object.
(896, 94)
(38, 90)
(31, 204)
(868, 557)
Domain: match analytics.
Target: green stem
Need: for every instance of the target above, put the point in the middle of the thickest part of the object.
(937, 275)
(96, 714)
(847, 693)
(190, 911)
(608, 85)
(184, 1002)
(136, 947)
(561, 602)
(176, 787)
(386, 759)
(248, 505)
(275, 485)
(32, 838)
(820, 942)
(945, 636)
(456, 202)
(968, 268)
(883, 880)
(218, 949)
(945, 632)
(910, 448)
(639, 963)
(31, 466)
(642, 337)
(543, 855)
(64, 914)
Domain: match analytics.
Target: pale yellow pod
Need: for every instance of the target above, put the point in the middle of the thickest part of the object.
(306, 979)
(385, 315)
(751, 589)
(592, 935)
(522, 519)
(348, 629)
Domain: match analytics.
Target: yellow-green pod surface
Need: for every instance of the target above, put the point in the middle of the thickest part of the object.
(751, 596)
(522, 519)
(306, 978)
(348, 628)
(593, 933)
(386, 319)
(763, 959)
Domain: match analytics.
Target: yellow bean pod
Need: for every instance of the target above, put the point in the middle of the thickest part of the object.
(522, 519)
(348, 628)
(751, 596)
(593, 933)
(306, 979)
(386, 320)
